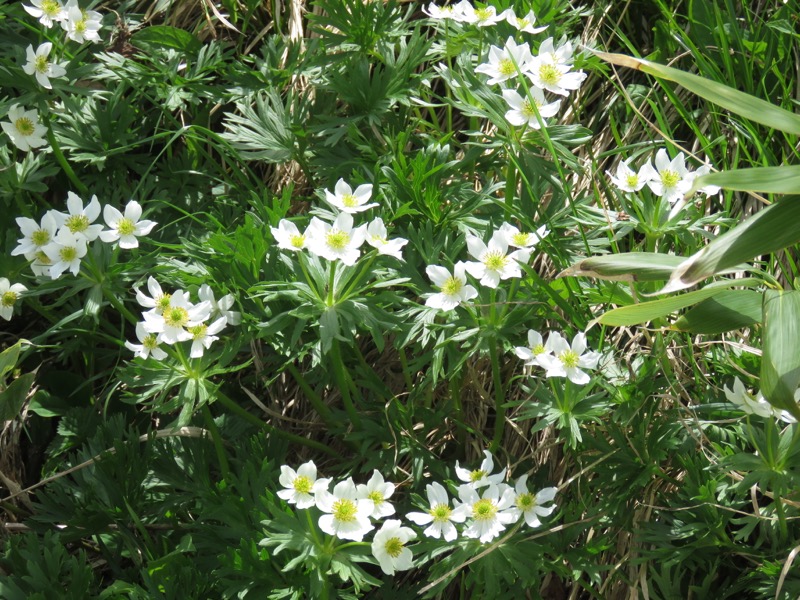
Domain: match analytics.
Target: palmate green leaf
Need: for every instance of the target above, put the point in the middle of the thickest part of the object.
(263, 132)
(628, 266)
(771, 180)
(748, 106)
(636, 314)
(780, 361)
(726, 311)
(770, 230)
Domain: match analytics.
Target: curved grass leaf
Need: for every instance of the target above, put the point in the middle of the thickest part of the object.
(726, 311)
(780, 361)
(771, 180)
(628, 266)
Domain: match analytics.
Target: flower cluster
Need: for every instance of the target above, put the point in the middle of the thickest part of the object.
(79, 24)
(757, 405)
(558, 357)
(173, 318)
(485, 507)
(60, 240)
(493, 263)
(464, 12)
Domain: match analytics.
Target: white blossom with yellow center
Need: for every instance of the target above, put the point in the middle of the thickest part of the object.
(126, 228)
(489, 513)
(522, 111)
(40, 65)
(345, 199)
(301, 486)
(494, 262)
(568, 360)
(24, 128)
(507, 62)
(389, 547)
(346, 515)
(440, 516)
(9, 295)
(453, 287)
(377, 490)
(337, 241)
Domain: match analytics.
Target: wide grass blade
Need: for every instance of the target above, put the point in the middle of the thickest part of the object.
(628, 266)
(726, 311)
(771, 180)
(780, 361)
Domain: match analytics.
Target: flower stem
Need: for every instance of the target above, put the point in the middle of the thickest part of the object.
(331, 282)
(322, 409)
(350, 545)
(343, 383)
(217, 439)
(84, 191)
(499, 408)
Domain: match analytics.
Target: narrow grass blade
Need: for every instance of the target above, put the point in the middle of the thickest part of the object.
(771, 180)
(726, 311)
(628, 266)
(780, 361)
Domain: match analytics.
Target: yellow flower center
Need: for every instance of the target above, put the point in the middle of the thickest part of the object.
(452, 286)
(77, 223)
(526, 501)
(125, 226)
(484, 510)
(198, 331)
(80, 26)
(440, 513)
(344, 510)
(477, 475)
(42, 258)
(68, 253)
(569, 358)
(506, 67)
(150, 342)
(50, 8)
(376, 239)
(483, 13)
(176, 316)
(25, 126)
(298, 241)
(669, 178)
(549, 74)
(162, 303)
(349, 200)
(41, 64)
(495, 261)
(520, 239)
(393, 547)
(8, 298)
(632, 180)
(302, 484)
(337, 240)
(376, 497)
(40, 237)
(527, 109)
(538, 349)
(522, 23)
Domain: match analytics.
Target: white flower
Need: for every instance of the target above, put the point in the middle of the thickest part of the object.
(627, 179)
(347, 515)
(337, 241)
(523, 110)
(749, 404)
(221, 308)
(481, 17)
(454, 288)
(81, 25)
(557, 56)
(79, 219)
(708, 190)
(507, 62)
(40, 263)
(536, 350)
(522, 23)
(377, 490)
(9, 294)
(173, 323)
(288, 236)
(148, 346)
(389, 547)
(41, 67)
(530, 505)
(158, 301)
(440, 12)
(567, 360)
(125, 228)
(346, 200)
(204, 335)
(494, 263)
(65, 253)
(520, 239)
(24, 128)
(483, 475)
(552, 76)
(440, 516)
(35, 236)
(302, 485)
(48, 12)
(376, 237)
(490, 513)
(669, 179)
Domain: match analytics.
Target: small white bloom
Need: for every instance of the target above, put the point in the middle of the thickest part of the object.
(39, 65)
(65, 253)
(158, 301)
(525, 23)
(553, 76)
(346, 515)
(221, 308)
(81, 25)
(440, 516)
(174, 323)
(480, 17)
(125, 228)
(490, 513)
(377, 490)
(440, 12)
(536, 350)
(522, 239)
(389, 547)
(523, 110)
(148, 346)
(302, 485)
(507, 62)
(557, 56)
(530, 505)
(494, 263)
(338, 241)
(35, 236)
(483, 475)
(454, 287)
(204, 335)
(669, 179)
(9, 294)
(749, 404)
(376, 237)
(48, 12)
(627, 179)
(567, 360)
(40, 262)
(24, 128)
(349, 201)
(79, 219)
(708, 190)
(288, 236)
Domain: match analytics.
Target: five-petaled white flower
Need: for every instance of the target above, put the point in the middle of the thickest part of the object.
(158, 301)
(524, 24)
(65, 252)
(349, 201)
(440, 12)
(552, 76)
(558, 56)
(524, 110)
(339, 241)
(439, 517)
(535, 351)
(453, 287)
(530, 506)
(39, 65)
(708, 190)
(48, 12)
(24, 128)
(389, 547)
(480, 17)
(81, 25)
(35, 236)
(494, 263)
(523, 239)
(125, 228)
(79, 219)
(507, 62)
(627, 179)
(9, 294)
(749, 404)
(567, 361)
(490, 513)
(174, 323)
(302, 486)
(346, 515)
(204, 335)
(376, 237)
(669, 179)
(483, 475)
(377, 490)
(220, 308)
(148, 346)
(288, 236)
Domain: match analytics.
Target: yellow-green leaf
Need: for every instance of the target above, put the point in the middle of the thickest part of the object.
(628, 266)
(726, 311)
(780, 359)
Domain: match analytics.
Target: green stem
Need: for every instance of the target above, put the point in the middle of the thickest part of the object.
(84, 191)
(331, 282)
(217, 439)
(350, 545)
(499, 408)
(342, 381)
(322, 409)
(302, 261)
(313, 529)
(357, 279)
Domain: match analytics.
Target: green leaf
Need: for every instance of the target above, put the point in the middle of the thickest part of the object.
(647, 311)
(165, 36)
(726, 311)
(8, 358)
(13, 397)
(750, 107)
(770, 230)
(628, 266)
(772, 180)
(780, 360)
